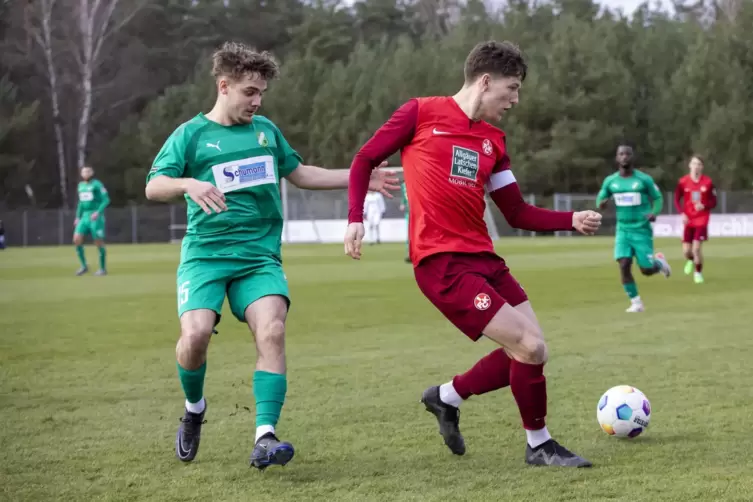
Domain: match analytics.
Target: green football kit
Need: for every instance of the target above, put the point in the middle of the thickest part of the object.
(92, 198)
(636, 197)
(235, 252)
(404, 191)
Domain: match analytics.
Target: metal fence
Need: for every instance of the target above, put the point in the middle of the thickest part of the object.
(166, 223)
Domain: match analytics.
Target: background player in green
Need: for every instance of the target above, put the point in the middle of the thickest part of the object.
(406, 209)
(227, 164)
(90, 219)
(637, 201)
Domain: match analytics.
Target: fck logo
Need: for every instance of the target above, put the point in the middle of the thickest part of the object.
(482, 301)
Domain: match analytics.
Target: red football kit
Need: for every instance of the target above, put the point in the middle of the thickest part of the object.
(687, 194)
(449, 163)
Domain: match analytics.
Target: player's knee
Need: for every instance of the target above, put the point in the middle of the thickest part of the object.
(534, 349)
(195, 336)
(78, 240)
(270, 335)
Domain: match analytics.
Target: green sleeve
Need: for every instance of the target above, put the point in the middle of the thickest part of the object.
(656, 196)
(104, 198)
(171, 159)
(287, 158)
(604, 193)
(79, 211)
(404, 190)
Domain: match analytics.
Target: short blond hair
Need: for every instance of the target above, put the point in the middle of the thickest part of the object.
(236, 60)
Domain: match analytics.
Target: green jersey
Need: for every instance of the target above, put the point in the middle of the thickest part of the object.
(92, 197)
(635, 198)
(245, 162)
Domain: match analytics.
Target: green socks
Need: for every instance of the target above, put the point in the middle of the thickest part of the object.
(102, 258)
(81, 257)
(269, 391)
(631, 289)
(192, 382)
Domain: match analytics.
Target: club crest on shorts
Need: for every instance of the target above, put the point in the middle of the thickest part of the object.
(482, 301)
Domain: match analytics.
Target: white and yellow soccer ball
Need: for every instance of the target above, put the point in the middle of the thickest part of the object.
(623, 411)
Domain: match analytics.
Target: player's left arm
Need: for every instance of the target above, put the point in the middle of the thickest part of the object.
(319, 178)
(657, 199)
(104, 199)
(505, 192)
(311, 177)
(712, 200)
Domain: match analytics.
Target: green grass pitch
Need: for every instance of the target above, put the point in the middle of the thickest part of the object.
(90, 398)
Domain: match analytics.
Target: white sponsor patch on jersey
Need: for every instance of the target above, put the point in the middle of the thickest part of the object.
(244, 173)
(627, 199)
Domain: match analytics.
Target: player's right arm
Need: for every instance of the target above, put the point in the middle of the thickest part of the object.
(603, 196)
(679, 193)
(79, 213)
(393, 135)
(165, 181)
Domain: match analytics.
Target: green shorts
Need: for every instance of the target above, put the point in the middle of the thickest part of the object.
(204, 282)
(95, 228)
(635, 244)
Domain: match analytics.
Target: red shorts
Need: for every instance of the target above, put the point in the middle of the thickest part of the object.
(691, 234)
(468, 289)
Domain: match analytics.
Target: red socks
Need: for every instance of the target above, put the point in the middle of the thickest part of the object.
(492, 372)
(496, 371)
(528, 386)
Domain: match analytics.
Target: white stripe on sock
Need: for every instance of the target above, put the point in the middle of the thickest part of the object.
(196, 407)
(448, 395)
(263, 429)
(536, 438)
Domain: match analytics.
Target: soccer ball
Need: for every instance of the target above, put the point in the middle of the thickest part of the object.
(623, 411)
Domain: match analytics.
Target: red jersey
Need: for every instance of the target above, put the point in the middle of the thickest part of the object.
(690, 192)
(449, 162)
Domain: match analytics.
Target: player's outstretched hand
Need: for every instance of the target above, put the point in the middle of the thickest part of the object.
(383, 180)
(586, 222)
(353, 238)
(206, 195)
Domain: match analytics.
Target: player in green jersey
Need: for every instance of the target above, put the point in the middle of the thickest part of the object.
(90, 219)
(638, 201)
(406, 208)
(227, 164)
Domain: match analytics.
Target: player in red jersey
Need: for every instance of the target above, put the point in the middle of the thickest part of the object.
(451, 157)
(695, 197)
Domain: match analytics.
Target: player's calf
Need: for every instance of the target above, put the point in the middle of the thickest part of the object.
(191, 349)
(195, 333)
(266, 319)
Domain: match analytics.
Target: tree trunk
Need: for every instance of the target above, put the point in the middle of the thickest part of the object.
(57, 119)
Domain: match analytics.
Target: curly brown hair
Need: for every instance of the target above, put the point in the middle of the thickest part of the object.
(236, 60)
(502, 59)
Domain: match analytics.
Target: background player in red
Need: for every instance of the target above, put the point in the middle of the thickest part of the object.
(451, 157)
(695, 197)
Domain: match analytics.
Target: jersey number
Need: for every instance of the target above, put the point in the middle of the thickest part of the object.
(183, 292)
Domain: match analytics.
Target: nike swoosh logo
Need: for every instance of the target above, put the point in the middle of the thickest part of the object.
(437, 131)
